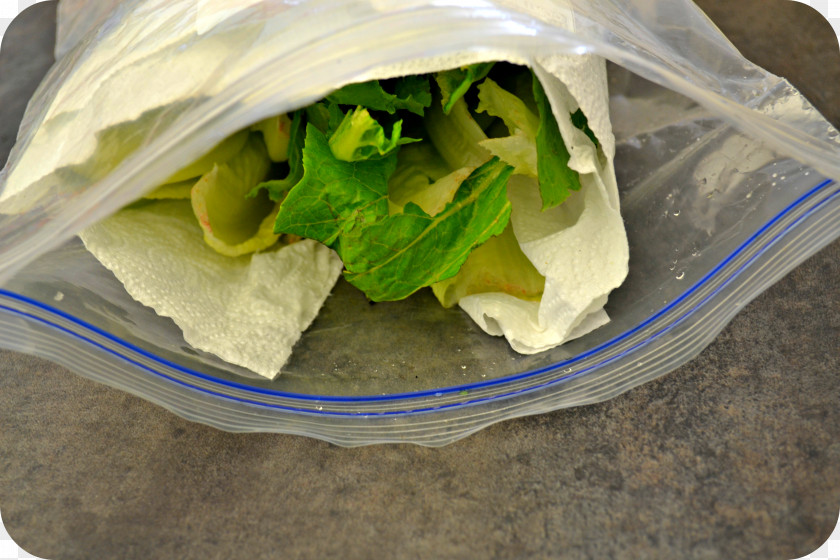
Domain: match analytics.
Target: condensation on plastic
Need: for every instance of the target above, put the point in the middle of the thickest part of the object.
(726, 179)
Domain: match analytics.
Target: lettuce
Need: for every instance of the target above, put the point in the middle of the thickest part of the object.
(411, 93)
(405, 179)
(334, 194)
(455, 83)
(557, 180)
(360, 137)
(233, 223)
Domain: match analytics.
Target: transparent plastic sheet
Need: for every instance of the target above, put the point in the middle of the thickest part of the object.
(721, 167)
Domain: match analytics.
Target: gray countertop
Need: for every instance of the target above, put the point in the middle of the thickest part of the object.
(733, 455)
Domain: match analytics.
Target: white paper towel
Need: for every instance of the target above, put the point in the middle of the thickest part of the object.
(248, 310)
(581, 246)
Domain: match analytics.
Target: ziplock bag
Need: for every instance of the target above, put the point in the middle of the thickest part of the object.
(722, 169)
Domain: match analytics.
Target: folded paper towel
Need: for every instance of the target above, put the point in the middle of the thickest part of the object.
(249, 310)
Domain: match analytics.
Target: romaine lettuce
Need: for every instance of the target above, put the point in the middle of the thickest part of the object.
(405, 179)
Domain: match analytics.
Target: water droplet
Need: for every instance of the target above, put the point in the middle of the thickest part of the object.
(676, 212)
(783, 177)
(807, 173)
(775, 175)
(463, 367)
(567, 370)
(58, 296)
(680, 276)
(773, 184)
(673, 266)
(749, 195)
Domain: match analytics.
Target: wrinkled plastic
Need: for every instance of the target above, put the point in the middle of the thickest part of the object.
(723, 170)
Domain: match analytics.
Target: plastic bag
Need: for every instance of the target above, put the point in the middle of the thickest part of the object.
(715, 213)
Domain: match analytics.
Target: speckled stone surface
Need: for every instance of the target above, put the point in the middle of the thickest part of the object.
(734, 455)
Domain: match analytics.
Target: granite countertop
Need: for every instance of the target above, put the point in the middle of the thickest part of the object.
(733, 455)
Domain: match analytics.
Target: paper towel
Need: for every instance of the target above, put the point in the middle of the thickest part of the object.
(248, 310)
(581, 246)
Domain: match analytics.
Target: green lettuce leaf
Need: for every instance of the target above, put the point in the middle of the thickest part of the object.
(517, 150)
(431, 197)
(325, 116)
(360, 137)
(455, 83)
(234, 224)
(456, 136)
(411, 93)
(276, 133)
(496, 101)
(497, 266)
(557, 181)
(580, 121)
(392, 258)
(278, 188)
(334, 194)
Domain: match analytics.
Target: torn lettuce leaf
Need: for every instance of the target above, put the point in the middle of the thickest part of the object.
(456, 136)
(277, 188)
(360, 137)
(400, 179)
(497, 266)
(325, 116)
(394, 257)
(412, 93)
(276, 133)
(418, 166)
(233, 223)
(557, 180)
(333, 193)
(455, 83)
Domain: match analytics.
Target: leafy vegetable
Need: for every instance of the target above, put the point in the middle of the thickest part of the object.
(334, 194)
(456, 136)
(580, 121)
(172, 191)
(418, 166)
(276, 132)
(394, 257)
(278, 188)
(412, 94)
(519, 148)
(406, 179)
(454, 83)
(325, 116)
(234, 224)
(497, 266)
(557, 180)
(512, 110)
(360, 137)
